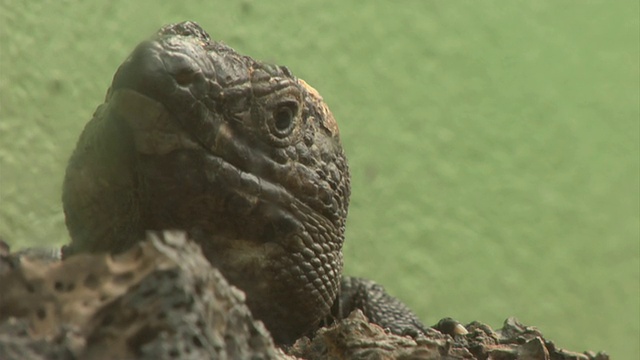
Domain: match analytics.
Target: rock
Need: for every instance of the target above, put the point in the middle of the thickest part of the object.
(159, 300)
(163, 300)
(357, 338)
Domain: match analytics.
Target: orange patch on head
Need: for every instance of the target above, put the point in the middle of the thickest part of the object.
(327, 121)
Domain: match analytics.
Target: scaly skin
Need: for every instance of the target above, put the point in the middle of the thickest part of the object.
(242, 155)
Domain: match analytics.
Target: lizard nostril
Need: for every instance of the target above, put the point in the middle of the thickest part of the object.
(181, 63)
(184, 77)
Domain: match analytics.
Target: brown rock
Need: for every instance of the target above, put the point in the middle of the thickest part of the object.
(159, 300)
(163, 300)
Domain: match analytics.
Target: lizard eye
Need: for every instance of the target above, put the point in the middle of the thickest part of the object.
(283, 119)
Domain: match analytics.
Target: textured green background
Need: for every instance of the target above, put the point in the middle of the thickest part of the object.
(493, 144)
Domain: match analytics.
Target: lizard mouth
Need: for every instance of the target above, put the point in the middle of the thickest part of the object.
(230, 189)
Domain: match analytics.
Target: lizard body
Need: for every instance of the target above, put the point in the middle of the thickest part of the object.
(243, 156)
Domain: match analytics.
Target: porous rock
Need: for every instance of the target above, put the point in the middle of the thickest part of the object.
(159, 300)
(163, 300)
(357, 338)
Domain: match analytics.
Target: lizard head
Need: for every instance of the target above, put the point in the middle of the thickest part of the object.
(241, 155)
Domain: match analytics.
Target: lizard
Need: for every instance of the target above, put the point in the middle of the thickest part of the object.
(243, 156)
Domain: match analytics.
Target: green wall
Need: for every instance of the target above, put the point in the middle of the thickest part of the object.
(493, 144)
